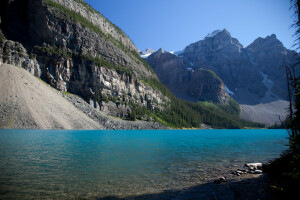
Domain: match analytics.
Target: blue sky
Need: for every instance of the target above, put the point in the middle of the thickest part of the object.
(174, 24)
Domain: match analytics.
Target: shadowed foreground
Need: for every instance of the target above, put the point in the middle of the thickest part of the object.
(255, 187)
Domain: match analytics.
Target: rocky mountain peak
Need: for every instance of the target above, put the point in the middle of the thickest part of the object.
(147, 52)
(215, 33)
(252, 74)
(160, 51)
(219, 39)
(269, 42)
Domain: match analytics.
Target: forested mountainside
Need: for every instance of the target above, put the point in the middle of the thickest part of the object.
(77, 50)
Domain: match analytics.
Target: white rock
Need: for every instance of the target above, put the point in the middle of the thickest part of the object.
(254, 165)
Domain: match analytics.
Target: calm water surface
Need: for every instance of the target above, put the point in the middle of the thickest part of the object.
(53, 164)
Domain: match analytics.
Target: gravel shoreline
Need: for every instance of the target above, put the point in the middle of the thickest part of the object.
(246, 186)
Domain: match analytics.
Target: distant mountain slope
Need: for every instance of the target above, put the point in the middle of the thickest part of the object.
(268, 55)
(186, 83)
(267, 113)
(252, 74)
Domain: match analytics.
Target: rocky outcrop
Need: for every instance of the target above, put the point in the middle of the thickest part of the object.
(109, 90)
(111, 123)
(97, 19)
(15, 54)
(252, 75)
(77, 50)
(27, 102)
(186, 83)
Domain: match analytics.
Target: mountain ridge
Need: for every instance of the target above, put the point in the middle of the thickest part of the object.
(73, 55)
(243, 70)
(251, 75)
(55, 42)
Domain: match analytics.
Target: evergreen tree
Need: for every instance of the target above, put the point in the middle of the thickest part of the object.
(285, 171)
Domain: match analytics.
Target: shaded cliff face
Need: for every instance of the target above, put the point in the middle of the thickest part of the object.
(186, 83)
(251, 74)
(79, 51)
(268, 54)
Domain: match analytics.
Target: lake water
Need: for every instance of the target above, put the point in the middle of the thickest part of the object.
(63, 164)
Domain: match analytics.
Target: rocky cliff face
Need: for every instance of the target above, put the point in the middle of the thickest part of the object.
(75, 49)
(252, 75)
(186, 83)
(98, 20)
(15, 54)
(268, 54)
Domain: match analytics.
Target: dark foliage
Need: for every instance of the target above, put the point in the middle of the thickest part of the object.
(285, 171)
(180, 113)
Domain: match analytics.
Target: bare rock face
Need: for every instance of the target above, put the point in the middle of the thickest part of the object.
(226, 57)
(15, 54)
(78, 50)
(186, 83)
(269, 54)
(252, 74)
(99, 20)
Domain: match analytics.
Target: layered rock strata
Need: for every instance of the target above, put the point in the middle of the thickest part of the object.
(75, 49)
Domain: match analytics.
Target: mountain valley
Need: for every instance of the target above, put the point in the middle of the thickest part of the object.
(77, 51)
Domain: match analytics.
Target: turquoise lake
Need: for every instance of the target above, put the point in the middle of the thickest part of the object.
(65, 164)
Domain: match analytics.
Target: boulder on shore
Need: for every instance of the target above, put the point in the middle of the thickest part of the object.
(254, 166)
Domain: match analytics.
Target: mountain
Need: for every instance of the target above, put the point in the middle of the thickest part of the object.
(75, 49)
(147, 52)
(252, 74)
(268, 54)
(96, 67)
(186, 83)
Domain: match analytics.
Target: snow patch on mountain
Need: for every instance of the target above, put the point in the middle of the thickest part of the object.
(147, 52)
(177, 53)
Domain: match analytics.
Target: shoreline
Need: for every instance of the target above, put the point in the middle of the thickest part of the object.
(244, 186)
